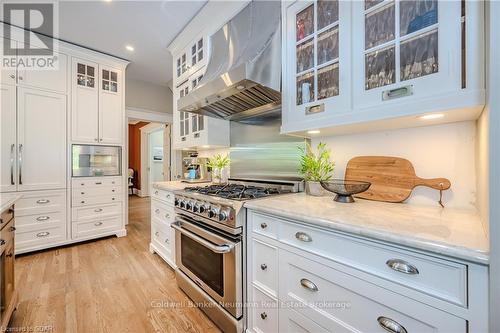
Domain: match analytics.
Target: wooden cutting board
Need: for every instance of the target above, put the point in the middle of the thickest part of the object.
(392, 178)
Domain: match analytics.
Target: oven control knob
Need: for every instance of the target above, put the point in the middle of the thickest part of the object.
(176, 202)
(223, 216)
(182, 204)
(201, 208)
(189, 205)
(213, 212)
(196, 207)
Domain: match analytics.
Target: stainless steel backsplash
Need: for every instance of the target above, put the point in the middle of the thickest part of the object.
(259, 151)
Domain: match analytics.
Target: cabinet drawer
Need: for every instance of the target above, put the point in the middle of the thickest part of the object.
(45, 236)
(95, 182)
(82, 193)
(162, 211)
(165, 196)
(293, 322)
(265, 225)
(264, 312)
(446, 280)
(96, 227)
(104, 199)
(336, 301)
(33, 203)
(96, 212)
(7, 234)
(161, 234)
(6, 216)
(265, 266)
(39, 221)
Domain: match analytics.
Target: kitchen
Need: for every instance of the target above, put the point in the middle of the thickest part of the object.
(392, 229)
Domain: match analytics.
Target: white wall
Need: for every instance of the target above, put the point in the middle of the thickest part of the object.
(435, 151)
(147, 96)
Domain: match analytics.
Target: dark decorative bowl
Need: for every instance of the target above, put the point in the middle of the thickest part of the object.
(344, 189)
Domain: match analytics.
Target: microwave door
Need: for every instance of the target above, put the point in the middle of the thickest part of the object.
(95, 161)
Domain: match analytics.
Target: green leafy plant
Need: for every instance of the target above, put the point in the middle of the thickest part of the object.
(316, 165)
(218, 162)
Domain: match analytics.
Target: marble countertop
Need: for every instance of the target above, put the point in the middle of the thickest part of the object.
(7, 200)
(176, 185)
(446, 231)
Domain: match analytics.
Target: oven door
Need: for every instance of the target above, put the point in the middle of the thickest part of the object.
(212, 261)
(96, 161)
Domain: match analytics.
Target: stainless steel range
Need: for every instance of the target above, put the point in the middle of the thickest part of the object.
(210, 244)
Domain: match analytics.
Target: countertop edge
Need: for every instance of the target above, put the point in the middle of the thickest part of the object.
(8, 199)
(434, 247)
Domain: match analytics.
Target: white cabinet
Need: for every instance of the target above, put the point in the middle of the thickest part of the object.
(8, 74)
(97, 103)
(50, 79)
(162, 234)
(383, 63)
(8, 141)
(41, 138)
(33, 140)
(317, 69)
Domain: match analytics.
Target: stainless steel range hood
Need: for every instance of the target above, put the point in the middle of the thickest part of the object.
(243, 76)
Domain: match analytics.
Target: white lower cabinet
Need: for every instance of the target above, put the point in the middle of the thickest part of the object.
(162, 234)
(304, 278)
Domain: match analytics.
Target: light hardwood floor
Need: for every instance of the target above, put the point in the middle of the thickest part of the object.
(108, 285)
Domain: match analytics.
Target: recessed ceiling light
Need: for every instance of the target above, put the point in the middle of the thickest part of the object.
(432, 116)
(129, 48)
(313, 132)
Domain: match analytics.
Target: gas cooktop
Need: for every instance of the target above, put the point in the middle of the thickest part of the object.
(237, 191)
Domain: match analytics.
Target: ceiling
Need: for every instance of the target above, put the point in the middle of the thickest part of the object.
(148, 26)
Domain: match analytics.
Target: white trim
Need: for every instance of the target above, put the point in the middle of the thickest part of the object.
(148, 115)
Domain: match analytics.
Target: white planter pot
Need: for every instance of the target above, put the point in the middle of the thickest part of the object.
(315, 189)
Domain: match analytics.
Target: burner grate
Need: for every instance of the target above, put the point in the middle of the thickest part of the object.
(235, 191)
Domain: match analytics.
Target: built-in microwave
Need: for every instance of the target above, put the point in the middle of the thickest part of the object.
(96, 161)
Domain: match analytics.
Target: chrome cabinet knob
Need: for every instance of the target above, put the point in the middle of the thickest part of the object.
(391, 325)
(263, 225)
(263, 315)
(12, 76)
(263, 267)
(157, 211)
(402, 266)
(2, 242)
(157, 234)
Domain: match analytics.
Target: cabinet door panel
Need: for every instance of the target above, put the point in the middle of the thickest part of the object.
(8, 147)
(41, 140)
(8, 75)
(54, 80)
(111, 113)
(85, 102)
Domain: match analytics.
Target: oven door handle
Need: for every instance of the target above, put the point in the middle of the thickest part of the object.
(225, 248)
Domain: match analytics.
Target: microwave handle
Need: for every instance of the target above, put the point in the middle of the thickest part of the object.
(226, 248)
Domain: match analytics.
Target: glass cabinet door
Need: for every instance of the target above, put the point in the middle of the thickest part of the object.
(318, 49)
(86, 75)
(398, 45)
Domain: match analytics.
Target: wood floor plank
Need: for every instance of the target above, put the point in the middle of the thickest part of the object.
(108, 285)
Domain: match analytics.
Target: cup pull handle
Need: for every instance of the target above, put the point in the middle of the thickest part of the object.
(402, 266)
(98, 210)
(43, 234)
(98, 224)
(43, 201)
(303, 237)
(42, 218)
(308, 284)
(391, 325)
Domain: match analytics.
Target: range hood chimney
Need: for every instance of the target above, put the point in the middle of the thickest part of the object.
(243, 76)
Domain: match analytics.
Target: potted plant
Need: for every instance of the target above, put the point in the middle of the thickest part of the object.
(316, 166)
(218, 163)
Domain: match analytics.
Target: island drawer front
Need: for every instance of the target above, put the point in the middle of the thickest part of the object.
(164, 196)
(79, 193)
(265, 266)
(7, 233)
(161, 234)
(100, 200)
(45, 236)
(6, 216)
(80, 183)
(40, 202)
(335, 299)
(162, 211)
(96, 227)
(264, 225)
(293, 321)
(35, 222)
(439, 278)
(263, 312)
(96, 212)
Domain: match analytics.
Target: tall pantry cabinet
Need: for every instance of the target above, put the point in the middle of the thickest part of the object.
(44, 112)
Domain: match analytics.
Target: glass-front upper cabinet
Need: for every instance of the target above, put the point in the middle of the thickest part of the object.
(184, 128)
(86, 75)
(405, 49)
(317, 68)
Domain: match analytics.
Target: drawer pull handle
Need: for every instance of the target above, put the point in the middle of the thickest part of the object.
(43, 234)
(391, 325)
(157, 211)
(43, 201)
(83, 201)
(2, 242)
(42, 218)
(98, 210)
(263, 267)
(167, 216)
(168, 196)
(167, 241)
(82, 193)
(308, 284)
(12, 229)
(402, 266)
(303, 237)
(113, 182)
(157, 234)
(113, 199)
(263, 225)
(263, 315)
(156, 192)
(98, 224)
(98, 183)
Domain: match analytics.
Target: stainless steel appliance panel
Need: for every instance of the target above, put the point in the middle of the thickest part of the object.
(95, 161)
